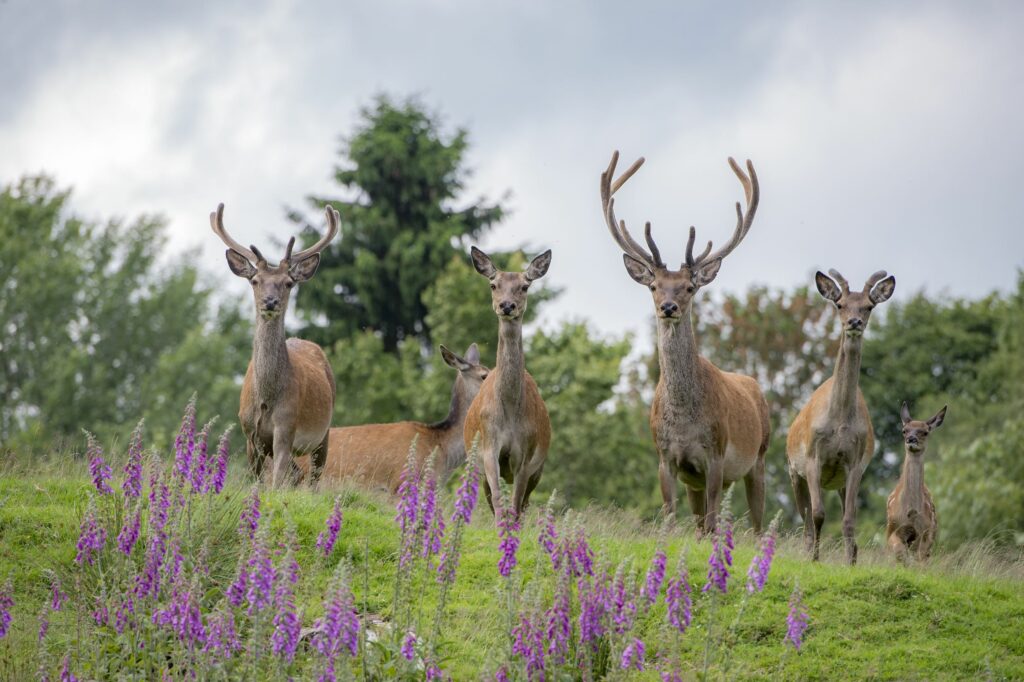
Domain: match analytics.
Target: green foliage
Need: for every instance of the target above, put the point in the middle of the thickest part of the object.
(400, 227)
(94, 332)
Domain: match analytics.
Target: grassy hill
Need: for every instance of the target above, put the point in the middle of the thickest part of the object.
(961, 617)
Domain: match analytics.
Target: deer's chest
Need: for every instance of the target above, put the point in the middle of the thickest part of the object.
(838, 448)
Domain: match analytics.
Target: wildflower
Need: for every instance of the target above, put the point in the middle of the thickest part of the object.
(221, 636)
(44, 623)
(508, 526)
(101, 615)
(757, 574)
(580, 558)
(65, 672)
(528, 642)
(250, 517)
(501, 674)
(325, 541)
(466, 495)
(548, 538)
(655, 576)
(287, 623)
(408, 491)
(129, 534)
(184, 442)
(57, 595)
(183, 617)
(6, 604)
(796, 621)
(160, 501)
(91, 537)
(261, 575)
(408, 650)
(595, 602)
(671, 675)
(431, 522)
(125, 609)
(237, 590)
(338, 630)
(623, 608)
(677, 597)
(98, 469)
(633, 655)
(132, 485)
(200, 465)
(148, 582)
(433, 671)
(559, 627)
(720, 558)
(221, 472)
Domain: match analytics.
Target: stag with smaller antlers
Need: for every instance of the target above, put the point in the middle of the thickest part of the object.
(831, 440)
(508, 413)
(710, 427)
(288, 393)
(911, 522)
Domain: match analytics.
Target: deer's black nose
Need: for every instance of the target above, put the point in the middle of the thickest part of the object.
(669, 308)
(271, 303)
(507, 307)
(855, 323)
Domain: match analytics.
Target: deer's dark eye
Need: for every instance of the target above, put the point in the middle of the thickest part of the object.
(493, 286)
(253, 282)
(690, 289)
(653, 288)
(839, 306)
(290, 283)
(525, 287)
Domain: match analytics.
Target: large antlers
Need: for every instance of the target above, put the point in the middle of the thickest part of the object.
(254, 255)
(868, 285)
(743, 220)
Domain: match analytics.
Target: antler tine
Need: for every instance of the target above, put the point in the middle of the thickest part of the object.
(617, 228)
(690, 260)
(288, 251)
(217, 223)
(259, 256)
(874, 279)
(655, 253)
(839, 278)
(333, 219)
(752, 194)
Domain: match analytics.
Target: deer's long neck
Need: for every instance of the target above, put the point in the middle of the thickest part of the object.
(913, 481)
(843, 401)
(510, 364)
(679, 361)
(271, 368)
(449, 431)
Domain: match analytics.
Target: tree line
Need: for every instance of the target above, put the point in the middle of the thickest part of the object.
(97, 331)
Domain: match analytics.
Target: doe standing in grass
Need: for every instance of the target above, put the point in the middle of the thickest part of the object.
(831, 440)
(911, 522)
(288, 393)
(509, 413)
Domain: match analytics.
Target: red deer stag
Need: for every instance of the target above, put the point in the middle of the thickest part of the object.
(509, 413)
(288, 393)
(374, 455)
(710, 427)
(911, 522)
(831, 441)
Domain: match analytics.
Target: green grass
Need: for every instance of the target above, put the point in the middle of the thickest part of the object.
(960, 617)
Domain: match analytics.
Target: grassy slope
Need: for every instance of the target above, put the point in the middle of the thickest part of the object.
(962, 617)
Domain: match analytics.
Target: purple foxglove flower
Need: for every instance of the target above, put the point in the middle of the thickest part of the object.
(183, 617)
(434, 671)
(325, 541)
(595, 603)
(408, 492)
(160, 502)
(129, 534)
(148, 582)
(671, 675)
(6, 604)
(623, 607)
(220, 474)
(44, 623)
(261, 575)
(287, 624)
(200, 465)
(677, 597)
(57, 595)
(528, 642)
(125, 610)
(184, 442)
(222, 637)
(338, 630)
(98, 469)
(633, 655)
(501, 674)
(65, 672)
(132, 485)
(720, 558)
(508, 527)
(91, 537)
(431, 521)
(757, 574)
(796, 621)
(408, 649)
(559, 623)
(466, 495)
(655, 576)
(548, 538)
(579, 556)
(101, 615)
(250, 517)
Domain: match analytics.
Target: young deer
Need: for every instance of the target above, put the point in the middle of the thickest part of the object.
(374, 455)
(288, 393)
(710, 427)
(911, 522)
(508, 414)
(831, 441)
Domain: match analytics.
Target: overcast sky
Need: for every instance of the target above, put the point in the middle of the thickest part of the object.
(886, 135)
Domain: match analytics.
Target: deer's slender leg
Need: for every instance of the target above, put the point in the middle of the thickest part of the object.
(753, 482)
(850, 513)
(802, 497)
(284, 435)
(317, 460)
(488, 456)
(817, 504)
(668, 492)
(898, 546)
(713, 490)
(533, 478)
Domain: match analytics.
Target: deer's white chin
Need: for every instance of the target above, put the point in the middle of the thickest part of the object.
(269, 314)
(854, 333)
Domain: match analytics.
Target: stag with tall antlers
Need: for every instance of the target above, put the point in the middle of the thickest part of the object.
(710, 427)
(831, 440)
(288, 393)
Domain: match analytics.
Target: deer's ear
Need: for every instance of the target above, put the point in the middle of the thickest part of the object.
(640, 273)
(883, 290)
(473, 354)
(239, 264)
(453, 360)
(482, 263)
(904, 413)
(539, 266)
(305, 268)
(706, 273)
(826, 287)
(936, 421)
